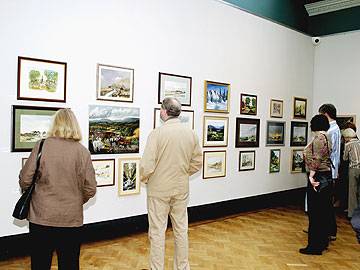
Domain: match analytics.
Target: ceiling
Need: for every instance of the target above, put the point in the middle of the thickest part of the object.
(312, 17)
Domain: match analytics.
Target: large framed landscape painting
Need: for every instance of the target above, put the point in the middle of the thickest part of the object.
(298, 133)
(186, 117)
(215, 131)
(42, 80)
(104, 172)
(299, 108)
(216, 97)
(129, 176)
(297, 161)
(247, 160)
(247, 132)
(113, 130)
(115, 83)
(177, 86)
(29, 125)
(275, 133)
(248, 104)
(214, 164)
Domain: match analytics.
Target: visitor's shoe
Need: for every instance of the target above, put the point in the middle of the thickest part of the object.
(309, 251)
(332, 238)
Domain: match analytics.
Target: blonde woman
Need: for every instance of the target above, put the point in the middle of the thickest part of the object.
(66, 182)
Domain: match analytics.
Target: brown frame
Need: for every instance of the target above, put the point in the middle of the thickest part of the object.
(113, 162)
(347, 118)
(239, 121)
(294, 106)
(294, 124)
(241, 103)
(174, 75)
(132, 71)
(241, 152)
(204, 154)
(19, 95)
(279, 150)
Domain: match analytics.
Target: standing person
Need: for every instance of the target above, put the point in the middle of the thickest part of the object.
(329, 111)
(66, 182)
(171, 155)
(352, 153)
(318, 166)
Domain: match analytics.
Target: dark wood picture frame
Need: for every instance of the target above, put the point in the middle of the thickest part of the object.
(298, 142)
(243, 105)
(240, 160)
(278, 166)
(112, 160)
(302, 113)
(162, 76)
(21, 91)
(248, 142)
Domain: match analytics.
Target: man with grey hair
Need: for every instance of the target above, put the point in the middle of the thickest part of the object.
(172, 154)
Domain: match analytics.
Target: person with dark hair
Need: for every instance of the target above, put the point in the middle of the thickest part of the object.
(318, 165)
(329, 111)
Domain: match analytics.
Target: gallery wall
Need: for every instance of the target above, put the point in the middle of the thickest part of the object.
(203, 39)
(336, 73)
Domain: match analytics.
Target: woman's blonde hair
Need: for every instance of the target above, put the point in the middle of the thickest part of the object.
(65, 125)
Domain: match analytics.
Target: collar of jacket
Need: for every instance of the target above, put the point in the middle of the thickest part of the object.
(172, 120)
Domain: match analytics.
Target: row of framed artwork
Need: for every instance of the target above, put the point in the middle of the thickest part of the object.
(214, 162)
(128, 176)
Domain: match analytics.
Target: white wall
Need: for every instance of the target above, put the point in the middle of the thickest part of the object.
(337, 73)
(203, 39)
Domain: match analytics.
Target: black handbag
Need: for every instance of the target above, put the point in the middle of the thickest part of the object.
(22, 206)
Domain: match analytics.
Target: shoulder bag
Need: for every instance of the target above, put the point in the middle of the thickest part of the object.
(22, 206)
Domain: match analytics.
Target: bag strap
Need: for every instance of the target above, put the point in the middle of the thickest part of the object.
(327, 147)
(38, 158)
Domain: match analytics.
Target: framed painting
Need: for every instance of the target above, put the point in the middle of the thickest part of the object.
(248, 104)
(246, 160)
(247, 132)
(275, 133)
(177, 86)
(276, 108)
(274, 165)
(29, 125)
(129, 176)
(343, 120)
(299, 108)
(214, 164)
(114, 83)
(104, 172)
(113, 130)
(215, 131)
(298, 133)
(297, 161)
(217, 97)
(42, 80)
(186, 117)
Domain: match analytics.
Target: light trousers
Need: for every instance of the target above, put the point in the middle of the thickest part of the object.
(354, 190)
(158, 211)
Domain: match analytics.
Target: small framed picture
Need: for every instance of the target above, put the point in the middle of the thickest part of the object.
(343, 120)
(214, 164)
(129, 176)
(114, 83)
(298, 133)
(275, 133)
(177, 86)
(246, 160)
(186, 117)
(276, 108)
(299, 108)
(274, 161)
(247, 132)
(30, 124)
(41, 80)
(297, 161)
(104, 172)
(216, 97)
(215, 131)
(248, 104)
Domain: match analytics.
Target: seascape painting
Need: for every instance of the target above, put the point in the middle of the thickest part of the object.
(216, 97)
(115, 83)
(113, 130)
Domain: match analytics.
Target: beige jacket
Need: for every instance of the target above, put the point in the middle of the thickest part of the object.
(171, 155)
(66, 182)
